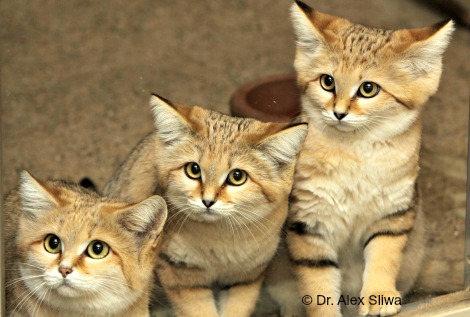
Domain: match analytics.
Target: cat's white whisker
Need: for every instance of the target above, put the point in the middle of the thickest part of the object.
(21, 279)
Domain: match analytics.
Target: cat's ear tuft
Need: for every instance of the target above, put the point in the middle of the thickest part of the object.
(308, 38)
(422, 49)
(283, 147)
(35, 198)
(146, 218)
(170, 125)
(313, 28)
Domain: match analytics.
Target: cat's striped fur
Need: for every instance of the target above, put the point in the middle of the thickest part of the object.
(69, 282)
(355, 224)
(218, 236)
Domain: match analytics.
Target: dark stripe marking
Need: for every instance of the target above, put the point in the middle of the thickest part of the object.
(400, 212)
(248, 282)
(414, 201)
(178, 264)
(323, 263)
(298, 227)
(386, 233)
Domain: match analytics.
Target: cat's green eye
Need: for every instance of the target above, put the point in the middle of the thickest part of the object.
(97, 249)
(193, 170)
(327, 82)
(368, 90)
(237, 177)
(52, 244)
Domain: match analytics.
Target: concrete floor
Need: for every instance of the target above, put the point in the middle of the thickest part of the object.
(76, 77)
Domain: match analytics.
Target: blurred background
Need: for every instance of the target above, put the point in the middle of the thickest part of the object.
(76, 77)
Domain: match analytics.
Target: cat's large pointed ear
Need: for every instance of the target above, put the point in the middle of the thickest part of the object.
(313, 28)
(36, 199)
(421, 49)
(145, 219)
(282, 147)
(171, 126)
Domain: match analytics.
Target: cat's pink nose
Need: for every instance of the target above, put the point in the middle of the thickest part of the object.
(65, 271)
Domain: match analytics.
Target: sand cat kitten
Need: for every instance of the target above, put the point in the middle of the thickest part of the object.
(70, 252)
(226, 181)
(355, 224)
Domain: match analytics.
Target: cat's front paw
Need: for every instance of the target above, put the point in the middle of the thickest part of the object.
(380, 303)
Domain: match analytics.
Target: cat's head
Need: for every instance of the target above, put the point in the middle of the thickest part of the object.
(79, 251)
(216, 167)
(361, 80)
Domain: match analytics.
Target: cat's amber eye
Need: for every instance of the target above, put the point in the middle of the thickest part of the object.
(52, 244)
(327, 82)
(193, 170)
(237, 177)
(97, 249)
(368, 90)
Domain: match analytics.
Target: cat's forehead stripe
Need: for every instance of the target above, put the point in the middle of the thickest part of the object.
(359, 39)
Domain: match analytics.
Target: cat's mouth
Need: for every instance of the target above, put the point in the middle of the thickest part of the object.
(67, 288)
(345, 127)
(342, 126)
(208, 214)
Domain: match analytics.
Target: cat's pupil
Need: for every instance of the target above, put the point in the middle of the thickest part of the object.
(195, 169)
(54, 242)
(329, 81)
(237, 175)
(98, 248)
(367, 87)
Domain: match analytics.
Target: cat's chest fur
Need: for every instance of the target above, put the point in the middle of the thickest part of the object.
(341, 187)
(218, 251)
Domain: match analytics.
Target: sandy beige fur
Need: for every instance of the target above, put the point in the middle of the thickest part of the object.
(229, 244)
(70, 282)
(356, 226)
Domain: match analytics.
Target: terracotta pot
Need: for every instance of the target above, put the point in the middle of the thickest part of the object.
(269, 99)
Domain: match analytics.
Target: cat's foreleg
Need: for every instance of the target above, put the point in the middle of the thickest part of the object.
(383, 256)
(384, 247)
(240, 300)
(192, 302)
(319, 278)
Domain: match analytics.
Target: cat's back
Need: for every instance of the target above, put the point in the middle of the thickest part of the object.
(136, 178)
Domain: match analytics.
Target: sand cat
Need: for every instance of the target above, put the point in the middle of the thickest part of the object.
(71, 252)
(355, 223)
(226, 181)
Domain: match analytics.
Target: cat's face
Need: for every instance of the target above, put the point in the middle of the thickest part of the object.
(220, 167)
(365, 81)
(79, 251)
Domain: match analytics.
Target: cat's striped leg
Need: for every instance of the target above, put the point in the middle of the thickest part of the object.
(240, 300)
(187, 286)
(192, 301)
(315, 263)
(384, 245)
